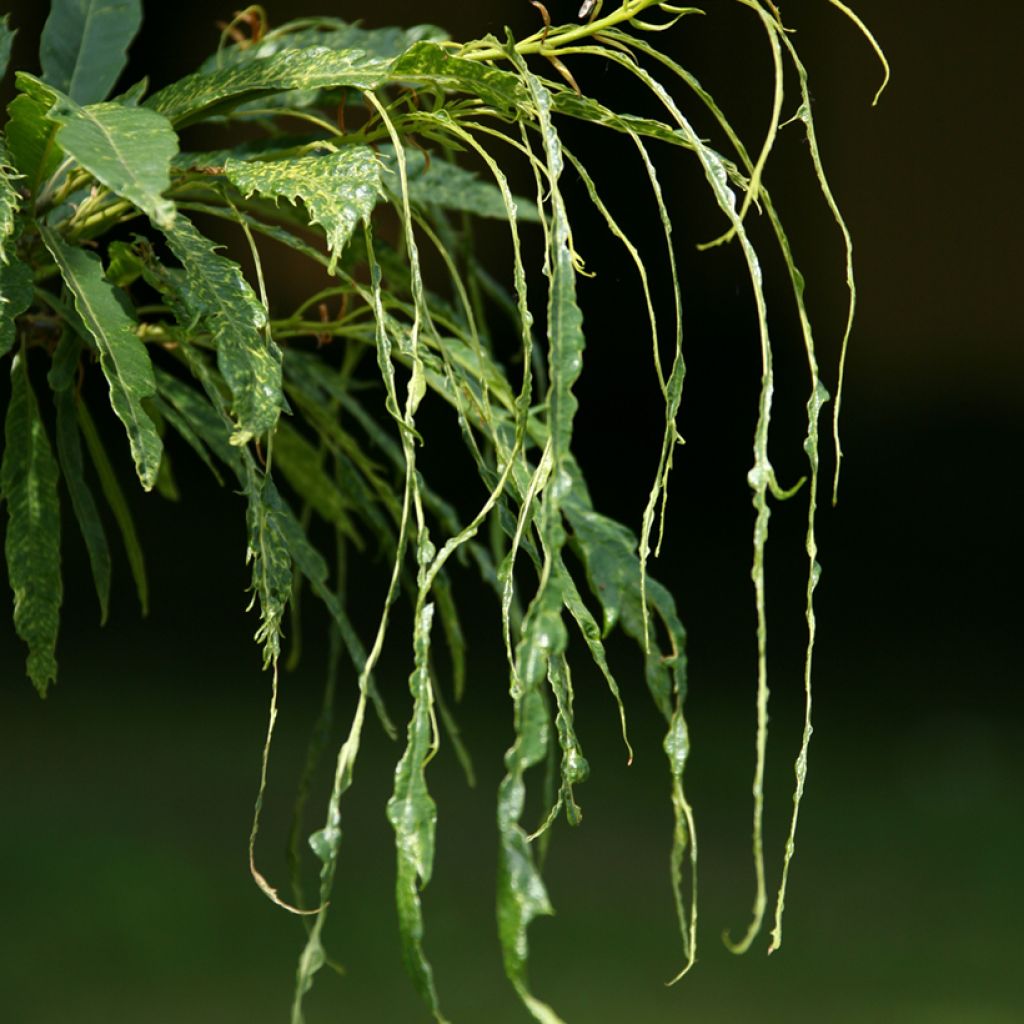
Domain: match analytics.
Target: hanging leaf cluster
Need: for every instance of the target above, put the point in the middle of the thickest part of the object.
(368, 154)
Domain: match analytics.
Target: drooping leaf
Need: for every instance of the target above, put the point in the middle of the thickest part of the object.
(7, 35)
(339, 189)
(116, 501)
(413, 815)
(217, 294)
(203, 94)
(127, 149)
(31, 135)
(446, 184)
(28, 479)
(15, 298)
(84, 45)
(69, 452)
(123, 357)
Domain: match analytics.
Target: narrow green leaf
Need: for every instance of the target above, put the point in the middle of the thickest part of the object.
(31, 135)
(302, 466)
(118, 505)
(123, 357)
(7, 35)
(202, 94)
(216, 293)
(69, 451)
(28, 479)
(339, 189)
(127, 149)
(84, 45)
(446, 184)
(413, 815)
(15, 298)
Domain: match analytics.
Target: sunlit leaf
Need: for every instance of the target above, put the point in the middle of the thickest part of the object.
(338, 189)
(9, 202)
(84, 45)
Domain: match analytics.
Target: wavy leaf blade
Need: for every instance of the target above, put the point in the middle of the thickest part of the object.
(123, 357)
(339, 189)
(202, 94)
(84, 46)
(216, 292)
(10, 202)
(28, 478)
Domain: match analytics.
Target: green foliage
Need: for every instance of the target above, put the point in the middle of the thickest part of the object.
(385, 146)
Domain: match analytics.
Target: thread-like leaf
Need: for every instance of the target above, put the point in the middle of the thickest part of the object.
(339, 189)
(123, 357)
(84, 45)
(28, 479)
(216, 293)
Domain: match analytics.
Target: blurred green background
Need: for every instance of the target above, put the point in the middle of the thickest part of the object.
(126, 796)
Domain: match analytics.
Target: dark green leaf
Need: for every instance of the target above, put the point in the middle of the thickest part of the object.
(28, 478)
(116, 500)
(7, 35)
(15, 298)
(217, 294)
(69, 451)
(123, 357)
(339, 189)
(31, 135)
(84, 45)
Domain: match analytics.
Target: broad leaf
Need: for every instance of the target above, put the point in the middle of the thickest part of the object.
(84, 45)
(128, 149)
(339, 189)
(217, 294)
(28, 479)
(202, 94)
(123, 357)
(10, 201)
(15, 298)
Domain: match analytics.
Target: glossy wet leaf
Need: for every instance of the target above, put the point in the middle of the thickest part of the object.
(84, 45)
(123, 358)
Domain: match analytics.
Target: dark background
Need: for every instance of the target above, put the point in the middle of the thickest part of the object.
(125, 796)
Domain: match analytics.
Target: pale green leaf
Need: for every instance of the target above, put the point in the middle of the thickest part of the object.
(118, 505)
(339, 189)
(123, 357)
(28, 479)
(203, 94)
(217, 294)
(15, 298)
(128, 149)
(84, 45)
(413, 815)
